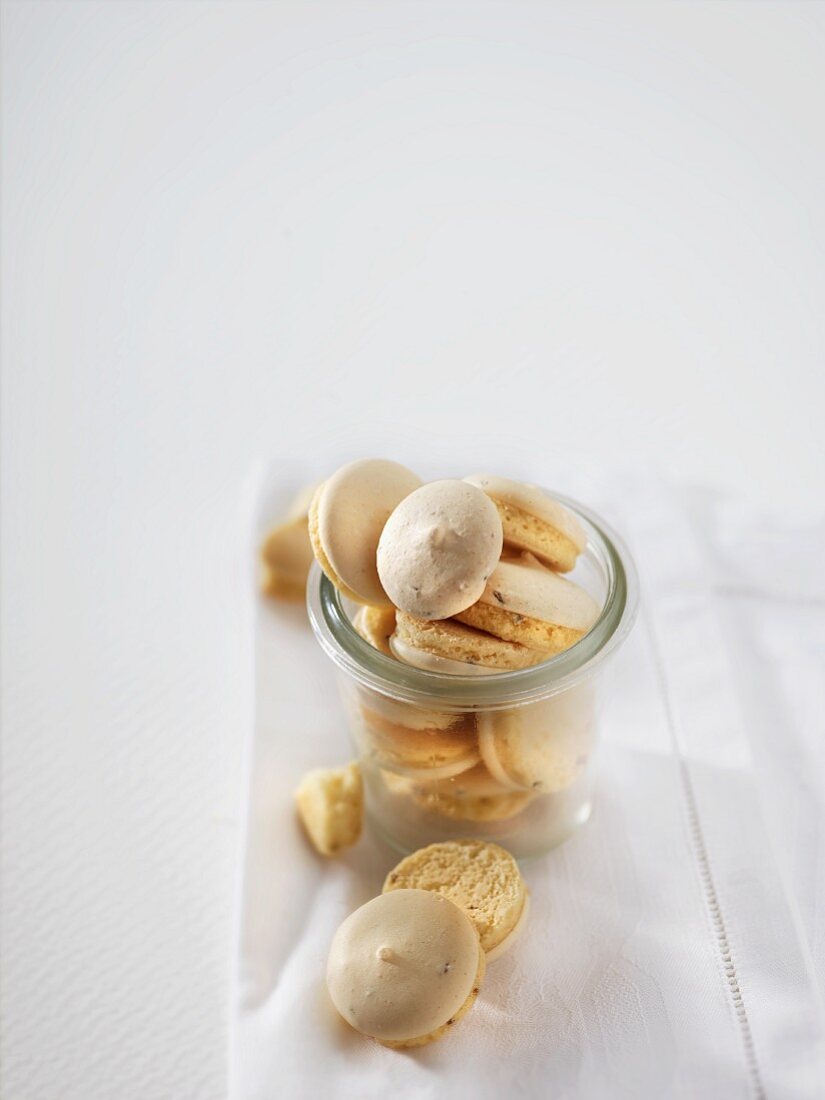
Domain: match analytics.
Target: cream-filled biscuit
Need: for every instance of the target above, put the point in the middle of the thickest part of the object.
(532, 607)
(534, 521)
(404, 968)
(436, 752)
(457, 641)
(542, 747)
(346, 518)
(481, 877)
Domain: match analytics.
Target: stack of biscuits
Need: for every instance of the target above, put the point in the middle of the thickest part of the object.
(464, 577)
(408, 965)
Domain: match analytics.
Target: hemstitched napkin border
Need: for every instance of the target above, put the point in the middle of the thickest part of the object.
(733, 860)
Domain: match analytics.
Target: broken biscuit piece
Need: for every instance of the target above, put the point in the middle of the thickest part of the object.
(286, 554)
(331, 807)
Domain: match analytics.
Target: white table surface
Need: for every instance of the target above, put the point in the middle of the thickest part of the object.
(493, 234)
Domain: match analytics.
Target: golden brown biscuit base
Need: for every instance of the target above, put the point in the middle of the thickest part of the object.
(524, 531)
(511, 937)
(375, 624)
(521, 629)
(458, 642)
(397, 746)
(422, 1040)
(480, 877)
(330, 805)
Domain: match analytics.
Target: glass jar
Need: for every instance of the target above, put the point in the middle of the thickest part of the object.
(502, 755)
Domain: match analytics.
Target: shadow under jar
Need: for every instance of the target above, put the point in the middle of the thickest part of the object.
(503, 756)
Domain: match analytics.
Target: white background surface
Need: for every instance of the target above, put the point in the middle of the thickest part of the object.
(493, 234)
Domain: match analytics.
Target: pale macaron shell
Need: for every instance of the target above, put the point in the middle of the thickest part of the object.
(347, 517)
(541, 594)
(404, 965)
(541, 747)
(438, 548)
(532, 499)
(416, 753)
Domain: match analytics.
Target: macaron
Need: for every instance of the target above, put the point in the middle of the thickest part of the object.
(481, 877)
(532, 607)
(542, 747)
(438, 548)
(534, 521)
(346, 518)
(432, 752)
(405, 967)
(456, 641)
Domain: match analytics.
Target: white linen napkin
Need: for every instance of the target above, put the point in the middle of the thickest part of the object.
(673, 947)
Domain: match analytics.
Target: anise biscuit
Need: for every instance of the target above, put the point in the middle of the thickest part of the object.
(532, 607)
(533, 521)
(481, 877)
(458, 642)
(541, 747)
(405, 967)
(425, 751)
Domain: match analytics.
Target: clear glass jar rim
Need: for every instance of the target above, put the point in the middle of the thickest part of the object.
(388, 676)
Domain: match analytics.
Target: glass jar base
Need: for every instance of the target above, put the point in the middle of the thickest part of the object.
(548, 822)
